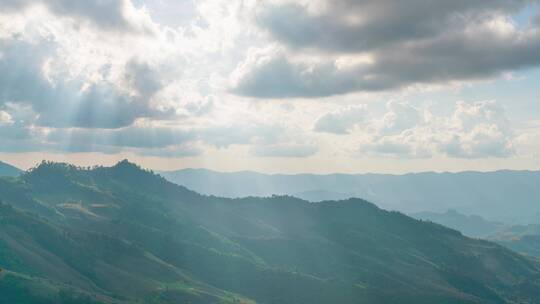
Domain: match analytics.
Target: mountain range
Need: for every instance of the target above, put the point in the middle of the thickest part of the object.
(505, 196)
(9, 170)
(524, 239)
(123, 234)
(470, 225)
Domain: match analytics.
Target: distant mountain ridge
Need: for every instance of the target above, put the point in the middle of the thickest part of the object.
(122, 234)
(524, 239)
(520, 238)
(9, 170)
(508, 196)
(470, 225)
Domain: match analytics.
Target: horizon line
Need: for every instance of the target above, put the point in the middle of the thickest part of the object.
(276, 174)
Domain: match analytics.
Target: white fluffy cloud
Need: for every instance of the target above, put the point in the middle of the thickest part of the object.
(5, 118)
(341, 121)
(473, 130)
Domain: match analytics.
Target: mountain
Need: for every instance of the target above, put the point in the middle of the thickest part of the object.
(126, 235)
(485, 193)
(322, 195)
(526, 244)
(520, 238)
(9, 170)
(470, 225)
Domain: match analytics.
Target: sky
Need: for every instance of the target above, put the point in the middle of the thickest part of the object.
(276, 86)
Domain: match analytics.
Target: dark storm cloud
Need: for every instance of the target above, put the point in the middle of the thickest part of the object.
(409, 42)
(280, 78)
(357, 25)
(103, 13)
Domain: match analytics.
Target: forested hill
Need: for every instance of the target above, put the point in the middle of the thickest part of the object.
(8, 170)
(125, 235)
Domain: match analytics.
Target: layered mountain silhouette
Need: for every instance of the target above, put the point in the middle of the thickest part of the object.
(524, 239)
(470, 225)
(485, 193)
(122, 234)
(9, 170)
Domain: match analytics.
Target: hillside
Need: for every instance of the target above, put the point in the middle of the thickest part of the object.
(484, 193)
(470, 225)
(125, 235)
(520, 238)
(9, 170)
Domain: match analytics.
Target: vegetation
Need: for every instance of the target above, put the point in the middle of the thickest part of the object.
(8, 170)
(125, 235)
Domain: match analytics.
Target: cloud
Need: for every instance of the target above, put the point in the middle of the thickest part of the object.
(201, 107)
(67, 101)
(341, 121)
(167, 141)
(131, 137)
(278, 77)
(142, 79)
(283, 150)
(391, 45)
(473, 130)
(241, 133)
(536, 20)
(15, 134)
(5, 118)
(270, 74)
(399, 116)
(142, 140)
(393, 147)
(173, 152)
(355, 26)
(481, 129)
(107, 14)
(74, 80)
